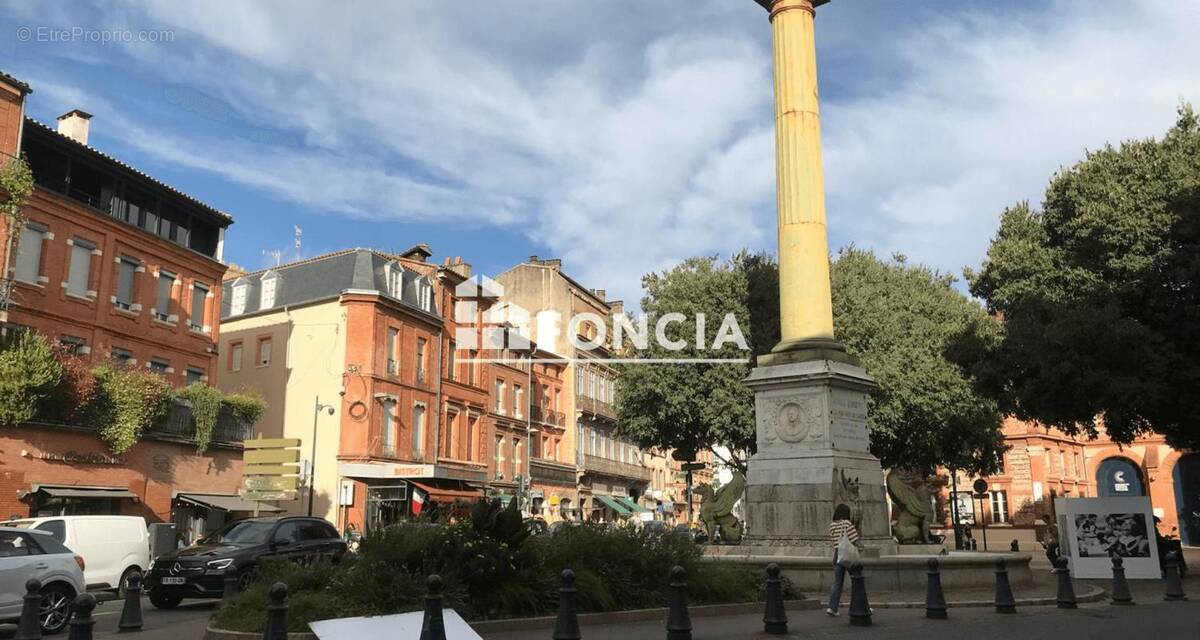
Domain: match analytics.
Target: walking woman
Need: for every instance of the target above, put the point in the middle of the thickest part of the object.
(841, 525)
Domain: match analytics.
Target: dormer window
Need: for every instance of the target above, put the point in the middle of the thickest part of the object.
(425, 294)
(237, 304)
(267, 293)
(394, 273)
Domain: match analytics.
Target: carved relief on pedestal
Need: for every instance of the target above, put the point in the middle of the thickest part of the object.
(791, 419)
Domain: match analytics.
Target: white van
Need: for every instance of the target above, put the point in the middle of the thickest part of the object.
(112, 547)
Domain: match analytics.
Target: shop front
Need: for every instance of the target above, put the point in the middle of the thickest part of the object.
(384, 494)
(196, 515)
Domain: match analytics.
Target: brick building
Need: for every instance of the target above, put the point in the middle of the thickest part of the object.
(122, 268)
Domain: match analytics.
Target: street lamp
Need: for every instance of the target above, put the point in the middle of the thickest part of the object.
(312, 458)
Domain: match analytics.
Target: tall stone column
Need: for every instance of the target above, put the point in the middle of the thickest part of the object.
(810, 396)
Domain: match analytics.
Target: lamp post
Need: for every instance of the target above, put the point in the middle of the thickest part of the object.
(312, 458)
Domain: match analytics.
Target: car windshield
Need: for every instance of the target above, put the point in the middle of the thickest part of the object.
(244, 532)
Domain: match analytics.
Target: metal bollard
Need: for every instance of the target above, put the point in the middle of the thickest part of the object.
(775, 620)
(277, 612)
(860, 608)
(82, 622)
(230, 585)
(1015, 546)
(935, 600)
(1171, 581)
(30, 627)
(433, 627)
(566, 625)
(679, 622)
(1005, 603)
(131, 613)
(1120, 587)
(1066, 590)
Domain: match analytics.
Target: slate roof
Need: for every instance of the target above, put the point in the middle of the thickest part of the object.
(327, 277)
(21, 86)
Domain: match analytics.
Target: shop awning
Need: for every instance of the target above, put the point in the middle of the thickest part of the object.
(621, 509)
(632, 505)
(460, 491)
(76, 491)
(225, 502)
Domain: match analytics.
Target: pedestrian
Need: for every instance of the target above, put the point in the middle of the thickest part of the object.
(840, 526)
(1051, 544)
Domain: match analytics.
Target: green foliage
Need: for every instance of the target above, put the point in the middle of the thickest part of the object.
(247, 406)
(1099, 295)
(487, 577)
(206, 408)
(16, 182)
(129, 402)
(694, 406)
(29, 372)
(75, 391)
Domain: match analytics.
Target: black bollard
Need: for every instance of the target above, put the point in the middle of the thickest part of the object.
(860, 608)
(1120, 588)
(1005, 603)
(1015, 546)
(1174, 586)
(1066, 590)
(935, 600)
(277, 612)
(30, 628)
(82, 622)
(131, 614)
(230, 585)
(566, 626)
(433, 627)
(679, 622)
(974, 545)
(775, 620)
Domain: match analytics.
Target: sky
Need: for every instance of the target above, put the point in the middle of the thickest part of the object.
(621, 136)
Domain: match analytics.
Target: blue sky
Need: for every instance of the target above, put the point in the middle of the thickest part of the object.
(621, 136)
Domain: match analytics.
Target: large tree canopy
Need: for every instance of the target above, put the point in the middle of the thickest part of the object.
(898, 318)
(1099, 291)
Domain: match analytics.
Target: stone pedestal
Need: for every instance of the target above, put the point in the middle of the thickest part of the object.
(813, 453)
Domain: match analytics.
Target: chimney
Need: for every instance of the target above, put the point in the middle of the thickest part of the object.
(74, 125)
(533, 259)
(599, 293)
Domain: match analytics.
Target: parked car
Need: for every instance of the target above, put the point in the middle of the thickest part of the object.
(25, 554)
(654, 526)
(113, 547)
(536, 526)
(199, 571)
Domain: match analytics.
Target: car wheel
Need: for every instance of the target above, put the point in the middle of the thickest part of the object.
(123, 585)
(164, 602)
(54, 610)
(245, 578)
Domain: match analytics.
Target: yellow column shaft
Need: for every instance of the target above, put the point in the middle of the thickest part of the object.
(806, 310)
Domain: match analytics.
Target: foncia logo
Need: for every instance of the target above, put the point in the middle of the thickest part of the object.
(486, 322)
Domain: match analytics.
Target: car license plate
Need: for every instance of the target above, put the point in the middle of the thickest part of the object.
(173, 580)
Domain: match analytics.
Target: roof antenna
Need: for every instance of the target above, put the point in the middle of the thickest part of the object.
(274, 254)
(299, 232)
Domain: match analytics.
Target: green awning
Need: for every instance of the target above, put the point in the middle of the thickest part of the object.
(621, 509)
(637, 508)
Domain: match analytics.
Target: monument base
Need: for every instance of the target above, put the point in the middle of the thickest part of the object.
(813, 454)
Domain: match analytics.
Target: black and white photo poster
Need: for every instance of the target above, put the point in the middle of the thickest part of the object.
(1097, 529)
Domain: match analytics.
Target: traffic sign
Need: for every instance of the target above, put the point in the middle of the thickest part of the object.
(271, 483)
(271, 456)
(981, 487)
(269, 470)
(261, 496)
(271, 443)
(692, 466)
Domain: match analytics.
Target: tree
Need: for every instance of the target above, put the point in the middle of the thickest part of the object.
(899, 319)
(1099, 294)
(693, 406)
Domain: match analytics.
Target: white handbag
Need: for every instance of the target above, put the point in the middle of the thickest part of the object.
(847, 553)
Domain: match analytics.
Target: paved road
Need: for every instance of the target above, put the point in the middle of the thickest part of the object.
(185, 623)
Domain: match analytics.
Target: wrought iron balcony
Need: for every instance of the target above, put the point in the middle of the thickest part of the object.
(547, 416)
(595, 407)
(596, 464)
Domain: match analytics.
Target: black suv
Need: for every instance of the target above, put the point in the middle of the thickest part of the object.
(199, 571)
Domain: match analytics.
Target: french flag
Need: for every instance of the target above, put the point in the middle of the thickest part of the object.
(418, 501)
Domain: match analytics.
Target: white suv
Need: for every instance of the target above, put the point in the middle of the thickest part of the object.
(26, 554)
(113, 547)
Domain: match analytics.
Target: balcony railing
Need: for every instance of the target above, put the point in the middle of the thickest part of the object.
(595, 407)
(547, 416)
(609, 467)
(179, 425)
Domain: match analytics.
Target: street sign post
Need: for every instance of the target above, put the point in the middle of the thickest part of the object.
(270, 469)
(981, 487)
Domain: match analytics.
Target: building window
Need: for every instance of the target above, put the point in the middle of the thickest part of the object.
(499, 457)
(517, 457)
(199, 299)
(126, 271)
(235, 356)
(266, 295)
(29, 253)
(237, 305)
(421, 359)
(472, 435)
(159, 366)
(194, 376)
(393, 339)
(471, 367)
(418, 431)
(73, 345)
(79, 273)
(425, 293)
(499, 396)
(122, 357)
(264, 352)
(1078, 465)
(448, 435)
(450, 364)
(162, 307)
(1000, 506)
(578, 382)
(387, 430)
(518, 397)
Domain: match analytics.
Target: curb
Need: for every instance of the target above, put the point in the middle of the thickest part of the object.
(1089, 594)
(211, 633)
